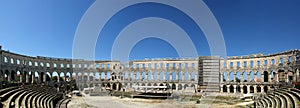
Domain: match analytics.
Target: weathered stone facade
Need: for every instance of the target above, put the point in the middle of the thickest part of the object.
(208, 74)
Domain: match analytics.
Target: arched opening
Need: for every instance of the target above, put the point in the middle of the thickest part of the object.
(251, 76)
(108, 86)
(185, 86)
(231, 88)
(245, 89)
(258, 77)
(161, 86)
(19, 76)
(150, 77)
(180, 76)
(179, 87)
(173, 76)
(13, 76)
(258, 89)
(251, 89)
(168, 76)
(161, 76)
(238, 77)
(114, 87)
(266, 89)
(238, 89)
(224, 76)
(231, 75)
(173, 86)
(266, 76)
(224, 88)
(245, 77)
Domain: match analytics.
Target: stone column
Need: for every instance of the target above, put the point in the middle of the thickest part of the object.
(234, 88)
(27, 77)
(242, 89)
(248, 77)
(277, 79)
(44, 77)
(221, 87)
(248, 89)
(228, 77)
(234, 77)
(221, 77)
(228, 88)
(255, 88)
(254, 77)
(241, 77)
(262, 77)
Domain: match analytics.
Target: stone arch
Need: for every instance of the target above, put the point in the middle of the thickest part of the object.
(266, 89)
(108, 85)
(114, 86)
(120, 86)
(251, 89)
(238, 77)
(62, 76)
(150, 77)
(97, 76)
(238, 88)
(245, 76)
(251, 76)
(167, 76)
(192, 76)
(19, 76)
(173, 76)
(180, 76)
(245, 90)
(266, 76)
(173, 86)
(48, 77)
(225, 74)
(155, 76)
(161, 76)
(258, 89)
(258, 77)
(231, 76)
(144, 76)
(224, 88)
(102, 75)
(91, 76)
(185, 86)
(161, 86)
(186, 76)
(231, 89)
(179, 86)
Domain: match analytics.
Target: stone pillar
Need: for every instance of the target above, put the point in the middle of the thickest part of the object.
(254, 77)
(234, 88)
(255, 88)
(248, 77)
(44, 77)
(248, 89)
(241, 77)
(262, 77)
(228, 77)
(21, 77)
(9, 76)
(242, 89)
(234, 77)
(221, 77)
(27, 77)
(228, 88)
(221, 87)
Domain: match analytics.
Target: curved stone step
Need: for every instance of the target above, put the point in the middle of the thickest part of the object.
(288, 102)
(19, 99)
(292, 98)
(271, 101)
(10, 102)
(277, 101)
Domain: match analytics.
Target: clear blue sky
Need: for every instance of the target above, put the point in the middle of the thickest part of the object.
(47, 28)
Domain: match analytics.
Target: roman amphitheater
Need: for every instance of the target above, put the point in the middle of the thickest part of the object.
(43, 82)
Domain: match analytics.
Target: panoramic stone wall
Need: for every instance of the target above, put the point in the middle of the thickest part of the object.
(258, 72)
(244, 74)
